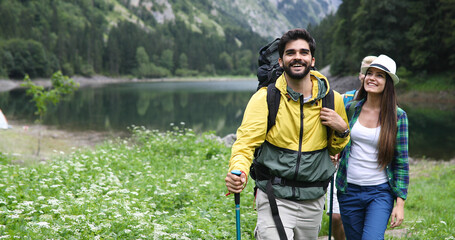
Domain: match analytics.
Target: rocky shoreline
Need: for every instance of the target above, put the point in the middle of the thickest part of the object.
(99, 80)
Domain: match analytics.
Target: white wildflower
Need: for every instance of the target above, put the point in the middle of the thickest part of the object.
(93, 227)
(53, 202)
(43, 224)
(124, 191)
(18, 211)
(138, 215)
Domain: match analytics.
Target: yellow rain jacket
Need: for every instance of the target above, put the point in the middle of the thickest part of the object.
(296, 147)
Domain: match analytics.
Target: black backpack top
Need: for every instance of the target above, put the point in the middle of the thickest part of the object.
(269, 68)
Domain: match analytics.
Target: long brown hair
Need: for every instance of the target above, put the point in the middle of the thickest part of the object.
(387, 120)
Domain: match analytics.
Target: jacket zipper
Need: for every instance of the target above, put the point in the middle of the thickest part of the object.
(299, 154)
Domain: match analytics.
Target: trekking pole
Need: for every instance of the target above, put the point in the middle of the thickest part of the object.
(237, 207)
(331, 208)
(332, 181)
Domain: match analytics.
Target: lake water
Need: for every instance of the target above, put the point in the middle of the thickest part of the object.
(202, 106)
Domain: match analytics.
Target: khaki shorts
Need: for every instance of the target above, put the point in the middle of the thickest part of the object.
(301, 219)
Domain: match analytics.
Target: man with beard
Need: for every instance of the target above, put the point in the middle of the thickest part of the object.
(292, 163)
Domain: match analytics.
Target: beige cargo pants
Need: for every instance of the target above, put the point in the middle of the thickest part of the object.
(301, 219)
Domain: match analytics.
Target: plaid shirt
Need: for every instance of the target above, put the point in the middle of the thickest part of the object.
(397, 170)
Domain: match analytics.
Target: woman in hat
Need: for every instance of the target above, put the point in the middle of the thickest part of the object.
(373, 175)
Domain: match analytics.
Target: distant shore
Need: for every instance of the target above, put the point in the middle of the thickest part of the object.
(8, 85)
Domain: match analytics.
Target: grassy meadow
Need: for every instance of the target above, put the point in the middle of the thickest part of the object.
(170, 185)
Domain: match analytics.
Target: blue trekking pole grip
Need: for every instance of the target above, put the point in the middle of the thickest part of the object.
(237, 207)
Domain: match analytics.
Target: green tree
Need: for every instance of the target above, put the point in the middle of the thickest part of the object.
(341, 45)
(447, 24)
(141, 56)
(243, 62)
(431, 38)
(183, 70)
(146, 69)
(383, 37)
(61, 86)
(10, 11)
(418, 35)
(323, 35)
(167, 59)
(183, 61)
(226, 59)
(24, 57)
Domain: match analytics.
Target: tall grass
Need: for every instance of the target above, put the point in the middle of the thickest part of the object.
(430, 212)
(162, 186)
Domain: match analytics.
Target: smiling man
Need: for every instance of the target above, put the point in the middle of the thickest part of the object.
(292, 164)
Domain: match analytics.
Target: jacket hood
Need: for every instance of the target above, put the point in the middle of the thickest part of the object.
(321, 85)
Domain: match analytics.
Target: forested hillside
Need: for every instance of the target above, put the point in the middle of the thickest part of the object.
(162, 38)
(418, 34)
(144, 38)
(105, 37)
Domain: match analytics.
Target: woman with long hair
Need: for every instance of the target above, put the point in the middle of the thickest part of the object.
(373, 175)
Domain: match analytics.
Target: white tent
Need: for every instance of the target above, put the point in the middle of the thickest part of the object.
(3, 121)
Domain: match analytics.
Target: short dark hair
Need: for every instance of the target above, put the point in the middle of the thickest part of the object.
(295, 34)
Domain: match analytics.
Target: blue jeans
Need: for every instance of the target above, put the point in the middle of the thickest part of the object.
(365, 211)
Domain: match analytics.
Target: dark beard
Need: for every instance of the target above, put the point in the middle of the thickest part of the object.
(292, 75)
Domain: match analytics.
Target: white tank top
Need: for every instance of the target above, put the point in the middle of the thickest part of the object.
(363, 167)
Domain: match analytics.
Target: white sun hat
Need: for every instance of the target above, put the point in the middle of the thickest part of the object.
(385, 64)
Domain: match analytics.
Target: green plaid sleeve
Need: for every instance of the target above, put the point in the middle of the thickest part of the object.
(398, 171)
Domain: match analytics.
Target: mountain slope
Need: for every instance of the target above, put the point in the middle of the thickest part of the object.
(271, 18)
(145, 38)
(268, 18)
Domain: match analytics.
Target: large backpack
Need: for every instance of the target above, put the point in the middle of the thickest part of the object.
(269, 68)
(268, 72)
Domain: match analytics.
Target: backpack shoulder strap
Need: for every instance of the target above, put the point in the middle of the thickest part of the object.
(328, 101)
(273, 103)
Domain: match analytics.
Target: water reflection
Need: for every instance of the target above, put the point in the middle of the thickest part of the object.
(431, 131)
(202, 106)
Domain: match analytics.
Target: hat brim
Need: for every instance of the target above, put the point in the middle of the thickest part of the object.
(394, 77)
